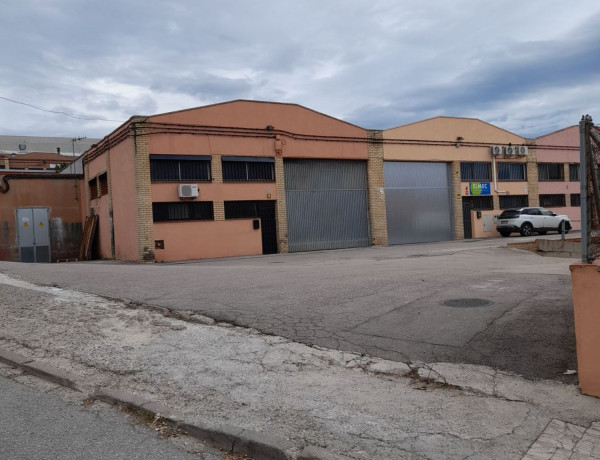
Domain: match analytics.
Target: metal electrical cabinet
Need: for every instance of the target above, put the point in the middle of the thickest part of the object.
(33, 233)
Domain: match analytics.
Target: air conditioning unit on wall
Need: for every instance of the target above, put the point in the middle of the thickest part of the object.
(496, 150)
(510, 151)
(522, 151)
(188, 190)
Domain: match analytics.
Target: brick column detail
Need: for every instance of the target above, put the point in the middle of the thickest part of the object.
(532, 175)
(496, 201)
(375, 186)
(143, 196)
(216, 169)
(457, 210)
(281, 209)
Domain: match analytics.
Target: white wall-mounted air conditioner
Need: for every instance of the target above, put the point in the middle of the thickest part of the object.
(188, 190)
(510, 151)
(496, 150)
(522, 151)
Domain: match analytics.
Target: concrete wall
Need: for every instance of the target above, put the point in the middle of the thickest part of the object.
(63, 199)
(586, 292)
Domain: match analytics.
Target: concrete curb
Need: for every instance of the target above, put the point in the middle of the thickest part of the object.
(227, 437)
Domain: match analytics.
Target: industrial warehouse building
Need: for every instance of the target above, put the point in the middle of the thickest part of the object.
(249, 177)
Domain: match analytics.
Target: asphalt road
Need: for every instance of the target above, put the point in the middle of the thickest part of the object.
(384, 301)
(37, 425)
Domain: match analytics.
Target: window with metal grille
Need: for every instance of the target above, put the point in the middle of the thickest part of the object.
(93, 184)
(481, 203)
(551, 171)
(182, 210)
(552, 201)
(103, 184)
(575, 199)
(178, 168)
(513, 201)
(240, 209)
(574, 172)
(248, 169)
(475, 170)
(512, 171)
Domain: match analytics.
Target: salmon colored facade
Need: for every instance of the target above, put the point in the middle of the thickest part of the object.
(61, 195)
(272, 132)
(454, 141)
(562, 148)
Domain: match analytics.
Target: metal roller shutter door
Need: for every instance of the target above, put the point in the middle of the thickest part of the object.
(418, 202)
(327, 205)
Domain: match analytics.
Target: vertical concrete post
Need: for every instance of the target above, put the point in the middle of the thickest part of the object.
(457, 209)
(376, 184)
(216, 171)
(143, 198)
(281, 209)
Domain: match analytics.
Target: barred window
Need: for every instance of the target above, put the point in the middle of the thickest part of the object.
(240, 209)
(513, 201)
(552, 201)
(481, 203)
(103, 183)
(512, 171)
(248, 169)
(475, 170)
(173, 168)
(574, 172)
(182, 210)
(551, 172)
(575, 199)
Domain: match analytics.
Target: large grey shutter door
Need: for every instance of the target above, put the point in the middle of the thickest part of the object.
(418, 202)
(327, 205)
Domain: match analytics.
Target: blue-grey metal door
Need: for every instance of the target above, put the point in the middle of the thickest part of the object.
(33, 234)
(327, 205)
(418, 202)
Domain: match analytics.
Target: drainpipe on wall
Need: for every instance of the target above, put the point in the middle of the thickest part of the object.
(494, 174)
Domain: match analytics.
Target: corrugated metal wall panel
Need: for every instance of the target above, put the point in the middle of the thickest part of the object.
(326, 204)
(418, 202)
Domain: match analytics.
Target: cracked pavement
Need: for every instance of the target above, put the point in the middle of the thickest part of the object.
(351, 404)
(385, 302)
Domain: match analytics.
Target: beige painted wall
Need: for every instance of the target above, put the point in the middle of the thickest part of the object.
(586, 291)
(207, 191)
(568, 137)
(207, 239)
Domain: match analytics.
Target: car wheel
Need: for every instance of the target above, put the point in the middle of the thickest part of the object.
(526, 229)
(542, 232)
(567, 226)
(505, 234)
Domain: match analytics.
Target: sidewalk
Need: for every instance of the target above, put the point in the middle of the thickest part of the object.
(222, 377)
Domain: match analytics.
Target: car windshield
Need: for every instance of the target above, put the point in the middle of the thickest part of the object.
(510, 214)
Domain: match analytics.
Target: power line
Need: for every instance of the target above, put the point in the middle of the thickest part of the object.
(59, 112)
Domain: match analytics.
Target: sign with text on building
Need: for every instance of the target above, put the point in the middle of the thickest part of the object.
(477, 188)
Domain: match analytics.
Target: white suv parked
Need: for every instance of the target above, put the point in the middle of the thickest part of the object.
(526, 221)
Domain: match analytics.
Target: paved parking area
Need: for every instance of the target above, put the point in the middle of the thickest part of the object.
(509, 309)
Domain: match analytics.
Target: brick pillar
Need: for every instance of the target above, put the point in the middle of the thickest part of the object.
(281, 210)
(457, 210)
(375, 184)
(532, 176)
(143, 196)
(110, 206)
(496, 201)
(216, 171)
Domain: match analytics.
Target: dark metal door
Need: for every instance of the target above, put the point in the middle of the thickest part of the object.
(266, 212)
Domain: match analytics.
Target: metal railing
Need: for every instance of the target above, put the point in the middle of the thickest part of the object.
(590, 189)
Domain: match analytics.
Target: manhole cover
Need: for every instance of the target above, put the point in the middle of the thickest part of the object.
(466, 303)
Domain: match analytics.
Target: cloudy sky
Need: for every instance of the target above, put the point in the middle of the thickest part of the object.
(529, 66)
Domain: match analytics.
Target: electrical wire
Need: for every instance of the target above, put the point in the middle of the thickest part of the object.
(59, 112)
